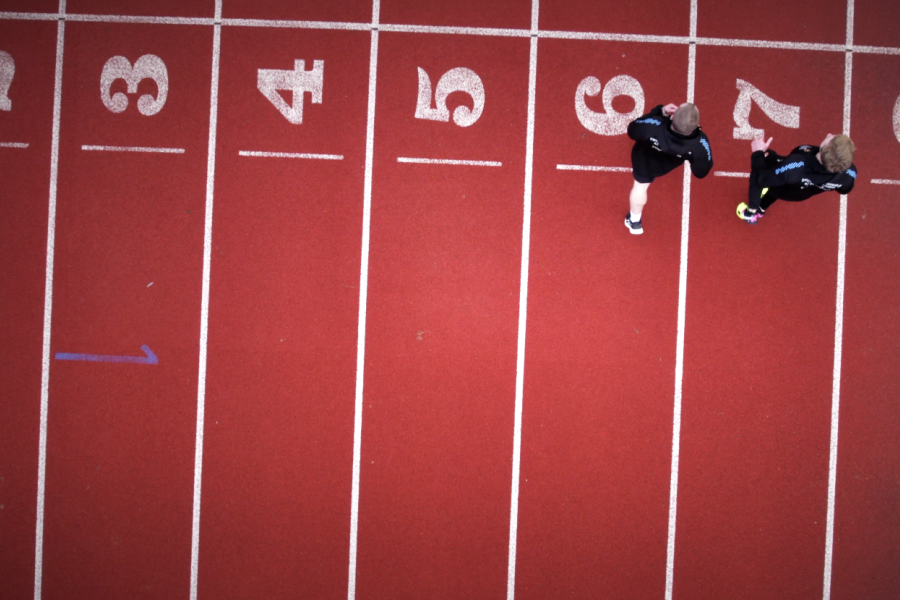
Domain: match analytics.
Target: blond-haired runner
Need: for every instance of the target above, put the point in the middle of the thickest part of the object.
(664, 138)
(805, 172)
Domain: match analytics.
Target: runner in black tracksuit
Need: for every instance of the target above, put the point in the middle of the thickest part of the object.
(796, 177)
(659, 148)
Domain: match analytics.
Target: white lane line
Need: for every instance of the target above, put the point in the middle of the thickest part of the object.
(48, 311)
(736, 43)
(523, 315)
(484, 31)
(291, 155)
(499, 32)
(523, 311)
(730, 174)
(838, 330)
(613, 37)
(886, 181)
(363, 297)
(875, 50)
(134, 149)
(204, 304)
(24, 16)
(592, 168)
(140, 19)
(12, 145)
(679, 343)
(296, 24)
(442, 161)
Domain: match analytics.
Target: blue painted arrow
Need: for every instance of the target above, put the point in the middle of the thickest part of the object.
(150, 359)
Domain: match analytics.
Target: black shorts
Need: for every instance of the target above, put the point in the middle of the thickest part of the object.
(642, 178)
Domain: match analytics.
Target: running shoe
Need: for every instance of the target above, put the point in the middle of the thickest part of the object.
(745, 215)
(634, 228)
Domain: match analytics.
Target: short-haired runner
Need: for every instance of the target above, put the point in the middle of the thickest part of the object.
(664, 138)
(805, 172)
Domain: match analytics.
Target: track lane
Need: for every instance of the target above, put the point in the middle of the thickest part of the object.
(127, 273)
(25, 176)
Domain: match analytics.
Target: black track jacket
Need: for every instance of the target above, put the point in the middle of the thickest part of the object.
(658, 149)
(799, 175)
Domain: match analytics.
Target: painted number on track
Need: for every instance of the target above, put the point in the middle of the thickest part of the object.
(298, 82)
(148, 66)
(783, 114)
(459, 79)
(7, 70)
(897, 119)
(609, 122)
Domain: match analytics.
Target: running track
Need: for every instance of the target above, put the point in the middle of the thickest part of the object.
(372, 373)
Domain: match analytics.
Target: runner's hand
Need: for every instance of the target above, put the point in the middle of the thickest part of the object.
(669, 109)
(758, 144)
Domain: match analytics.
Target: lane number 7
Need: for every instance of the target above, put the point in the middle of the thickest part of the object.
(783, 114)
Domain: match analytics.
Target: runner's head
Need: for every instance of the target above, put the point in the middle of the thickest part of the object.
(686, 119)
(836, 153)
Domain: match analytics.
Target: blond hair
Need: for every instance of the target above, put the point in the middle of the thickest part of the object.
(837, 155)
(686, 119)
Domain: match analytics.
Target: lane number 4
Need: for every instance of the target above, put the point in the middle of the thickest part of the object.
(298, 82)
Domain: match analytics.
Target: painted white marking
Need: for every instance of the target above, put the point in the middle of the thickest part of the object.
(140, 19)
(783, 114)
(12, 145)
(298, 82)
(455, 30)
(704, 41)
(48, 312)
(134, 149)
(896, 119)
(886, 181)
(679, 343)
(835, 400)
(610, 122)
(148, 66)
(523, 314)
(838, 331)
(204, 304)
(23, 16)
(296, 24)
(447, 161)
(291, 155)
(730, 174)
(483, 31)
(7, 71)
(593, 168)
(460, 79)
(363, 297)
(876, 50)
(613, 37)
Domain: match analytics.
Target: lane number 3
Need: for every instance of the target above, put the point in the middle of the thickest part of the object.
(148, 66)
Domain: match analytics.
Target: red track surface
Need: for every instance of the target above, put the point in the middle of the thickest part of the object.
(600, 391)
